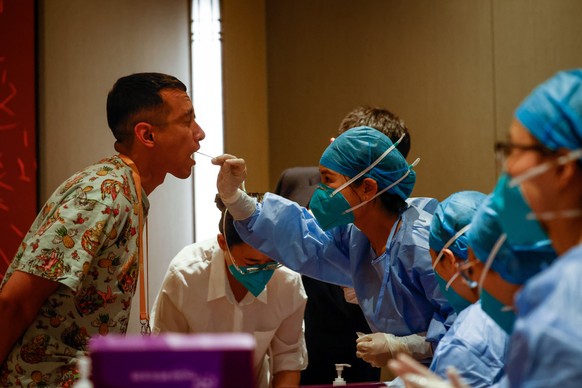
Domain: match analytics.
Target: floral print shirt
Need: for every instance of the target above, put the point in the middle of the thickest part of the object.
(85, 238)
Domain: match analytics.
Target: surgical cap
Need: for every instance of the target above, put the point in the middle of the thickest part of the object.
(553, 111)
(357, 148)
(513, 265)
(452, 215)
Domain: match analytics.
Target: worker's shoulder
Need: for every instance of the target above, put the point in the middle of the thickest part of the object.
(425, 204)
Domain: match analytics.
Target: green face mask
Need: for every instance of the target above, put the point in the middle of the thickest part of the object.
(457, 301)
(330, 210)
(501, 314)
(254, 281)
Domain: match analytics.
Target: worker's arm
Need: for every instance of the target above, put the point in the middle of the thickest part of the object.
(21, 298)
(286, 378)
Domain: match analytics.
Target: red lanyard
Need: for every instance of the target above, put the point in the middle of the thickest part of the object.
(144, 317)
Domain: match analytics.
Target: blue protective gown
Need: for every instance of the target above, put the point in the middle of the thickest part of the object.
(546, 344)
(397, 290)
(475, 345)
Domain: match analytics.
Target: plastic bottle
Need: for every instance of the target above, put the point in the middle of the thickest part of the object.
(339, 369)
(84, 365)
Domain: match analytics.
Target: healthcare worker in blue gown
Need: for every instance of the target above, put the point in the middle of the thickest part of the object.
(363, 235)
(499, 270)
(475, 344)
(541, 195)
(545, 164)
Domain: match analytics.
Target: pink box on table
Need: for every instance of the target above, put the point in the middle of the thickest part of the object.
(173, 360)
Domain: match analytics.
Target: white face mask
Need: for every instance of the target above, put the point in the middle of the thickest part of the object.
(540, 169)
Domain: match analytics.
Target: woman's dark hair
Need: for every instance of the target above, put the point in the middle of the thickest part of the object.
(227, 222)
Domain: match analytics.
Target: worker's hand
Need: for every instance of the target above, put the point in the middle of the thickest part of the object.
(416, 375)
(350, 295)
(377, 348)
(233, 172)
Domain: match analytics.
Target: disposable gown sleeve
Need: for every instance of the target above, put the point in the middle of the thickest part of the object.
(476, 346)
(290, 235)
(545, 346)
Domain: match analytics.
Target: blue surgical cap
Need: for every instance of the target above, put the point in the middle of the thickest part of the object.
(452, 215)
(552, 113)
(513, 265)
(357, 148)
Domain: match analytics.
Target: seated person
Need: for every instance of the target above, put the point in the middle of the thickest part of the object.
(224, 285)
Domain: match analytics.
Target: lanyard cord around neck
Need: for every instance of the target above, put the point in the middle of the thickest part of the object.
(144, 317)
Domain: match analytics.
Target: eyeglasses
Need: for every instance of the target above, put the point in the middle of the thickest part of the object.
(256, 268)
(503, 149)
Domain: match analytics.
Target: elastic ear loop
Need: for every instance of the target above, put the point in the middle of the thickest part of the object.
(441, 253)
(449, 243)
(532, 172)
(549, 215)
(349, 182)
(490, 258)
(384, 189)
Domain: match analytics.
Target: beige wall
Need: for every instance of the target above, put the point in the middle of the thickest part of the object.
(454, 70)
(246, 132)
(84, 47)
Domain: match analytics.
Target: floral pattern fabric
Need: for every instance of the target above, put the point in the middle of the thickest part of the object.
(85, 238)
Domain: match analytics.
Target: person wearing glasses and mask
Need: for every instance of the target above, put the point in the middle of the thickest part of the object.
(363, 234)
(224, 285)
(540, 196)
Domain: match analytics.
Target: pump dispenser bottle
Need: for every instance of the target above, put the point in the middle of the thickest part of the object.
(339, 369)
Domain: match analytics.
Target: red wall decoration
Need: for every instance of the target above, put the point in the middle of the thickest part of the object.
(18, 156)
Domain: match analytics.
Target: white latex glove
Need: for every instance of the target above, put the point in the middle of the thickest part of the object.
(233, 172)
(350, 295)
(416, 375)
(378, 348)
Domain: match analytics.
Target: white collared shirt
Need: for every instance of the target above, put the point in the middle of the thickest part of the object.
(195, 297)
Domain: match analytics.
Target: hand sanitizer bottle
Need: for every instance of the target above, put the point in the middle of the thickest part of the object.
(84, 364)
(339, 369)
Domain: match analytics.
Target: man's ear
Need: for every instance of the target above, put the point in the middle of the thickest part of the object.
(144, 133)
